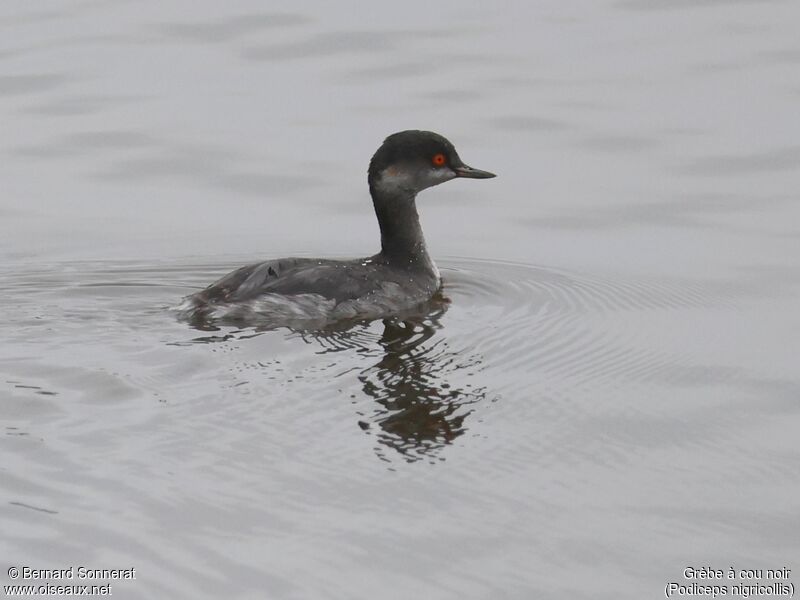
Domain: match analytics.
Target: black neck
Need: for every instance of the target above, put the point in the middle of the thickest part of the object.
(402, 241)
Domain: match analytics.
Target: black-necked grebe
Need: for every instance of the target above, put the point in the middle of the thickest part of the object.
(400, 277)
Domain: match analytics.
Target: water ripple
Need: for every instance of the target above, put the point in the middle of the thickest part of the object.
(415, 381)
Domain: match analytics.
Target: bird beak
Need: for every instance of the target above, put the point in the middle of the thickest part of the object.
(470, 173)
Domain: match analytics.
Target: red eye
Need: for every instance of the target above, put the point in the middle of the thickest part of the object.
(439, 160)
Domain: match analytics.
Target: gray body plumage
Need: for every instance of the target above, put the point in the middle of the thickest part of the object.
(315, 290)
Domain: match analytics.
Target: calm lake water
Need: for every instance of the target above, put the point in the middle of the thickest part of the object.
(606, 393)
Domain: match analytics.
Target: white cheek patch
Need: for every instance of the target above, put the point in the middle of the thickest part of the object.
(441, 175)
(393, 179)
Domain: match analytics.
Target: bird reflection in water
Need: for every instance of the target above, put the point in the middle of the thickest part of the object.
(419, 409)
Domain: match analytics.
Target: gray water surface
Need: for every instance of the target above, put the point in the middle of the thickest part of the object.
(605, 393)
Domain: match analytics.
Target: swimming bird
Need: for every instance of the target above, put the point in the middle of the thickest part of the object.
(399, 277)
